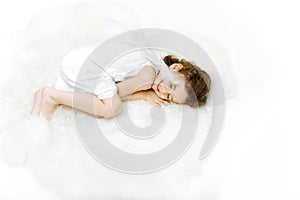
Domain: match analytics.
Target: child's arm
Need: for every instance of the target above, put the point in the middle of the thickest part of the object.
(147, 95)
(138, 88)
(140, 95)
(142, 81)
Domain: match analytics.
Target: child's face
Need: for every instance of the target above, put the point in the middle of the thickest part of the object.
(171, 88)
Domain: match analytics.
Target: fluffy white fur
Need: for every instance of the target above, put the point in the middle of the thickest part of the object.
(52, 151)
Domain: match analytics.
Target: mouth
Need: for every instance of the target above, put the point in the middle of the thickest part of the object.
(158, 85)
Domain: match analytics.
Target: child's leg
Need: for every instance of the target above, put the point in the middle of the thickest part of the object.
(66, 107)
(85, 102)
(37, 101)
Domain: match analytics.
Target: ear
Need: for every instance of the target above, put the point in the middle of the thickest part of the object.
(176, 66)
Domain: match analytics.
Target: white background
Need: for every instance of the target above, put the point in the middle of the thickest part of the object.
(261, 134)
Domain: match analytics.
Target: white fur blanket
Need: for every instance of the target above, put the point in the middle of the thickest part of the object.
(51, 150)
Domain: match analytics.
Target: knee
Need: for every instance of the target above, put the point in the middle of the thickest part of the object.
(112, 107)
(113, 111)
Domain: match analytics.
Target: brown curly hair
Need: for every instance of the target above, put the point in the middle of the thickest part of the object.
(198, 82)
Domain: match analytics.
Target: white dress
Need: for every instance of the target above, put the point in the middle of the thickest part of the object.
(122, 68)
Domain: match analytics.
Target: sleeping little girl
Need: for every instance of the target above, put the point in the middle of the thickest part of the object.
(133, 77)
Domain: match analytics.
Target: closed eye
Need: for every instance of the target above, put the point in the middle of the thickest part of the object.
(169, 97)
(173, 86)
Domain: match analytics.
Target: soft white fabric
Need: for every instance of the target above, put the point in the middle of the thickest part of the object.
(122, 68)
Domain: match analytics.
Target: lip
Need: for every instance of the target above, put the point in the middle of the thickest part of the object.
(158, 85)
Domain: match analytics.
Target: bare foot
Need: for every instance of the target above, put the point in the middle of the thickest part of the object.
(37, 101)
(66, 107)
(48, 105)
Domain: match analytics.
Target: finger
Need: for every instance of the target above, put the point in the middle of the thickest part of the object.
(152, 103)
(164, 102)
(158, 103)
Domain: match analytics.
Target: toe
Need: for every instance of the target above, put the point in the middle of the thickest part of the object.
(36, 103)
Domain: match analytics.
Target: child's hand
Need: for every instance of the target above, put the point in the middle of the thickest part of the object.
(154, 99)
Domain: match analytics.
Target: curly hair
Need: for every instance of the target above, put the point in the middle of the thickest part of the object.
(198, 82)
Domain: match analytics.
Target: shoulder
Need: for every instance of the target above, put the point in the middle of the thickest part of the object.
(146, 76)
(147, 72)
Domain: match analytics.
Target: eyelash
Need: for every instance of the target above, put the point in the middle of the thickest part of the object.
(172, 86)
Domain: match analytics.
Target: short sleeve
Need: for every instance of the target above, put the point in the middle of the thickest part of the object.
(106, 87)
